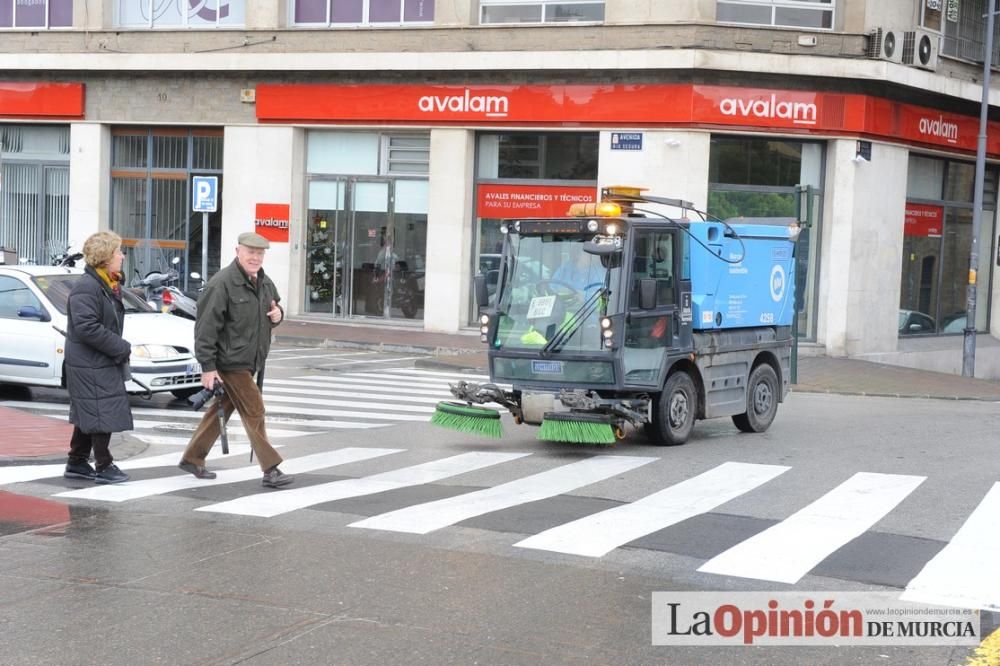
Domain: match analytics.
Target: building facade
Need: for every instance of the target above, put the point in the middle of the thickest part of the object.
(379, 142)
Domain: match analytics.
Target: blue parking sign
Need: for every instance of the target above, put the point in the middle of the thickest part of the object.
(204, 193)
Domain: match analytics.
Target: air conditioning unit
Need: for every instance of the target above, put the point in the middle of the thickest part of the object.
(920, 49)
(885, 44)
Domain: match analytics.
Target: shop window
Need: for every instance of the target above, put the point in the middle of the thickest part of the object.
(361, 12)
(533, 11)
(151, 171)
(552, 156)
(937, 238)
(756, 178)
(527, 166)
(816, 14)
(179, 13)
(34, 197)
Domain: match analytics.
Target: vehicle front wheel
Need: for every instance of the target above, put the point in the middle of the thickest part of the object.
(762, 400)
(184, 394)
(674, 411)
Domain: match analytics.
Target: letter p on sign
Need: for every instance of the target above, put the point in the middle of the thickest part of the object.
(204, 193)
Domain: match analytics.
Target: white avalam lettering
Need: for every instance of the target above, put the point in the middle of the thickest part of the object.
(271, 222)
(801, 113)
(939, 128)
(494, 106)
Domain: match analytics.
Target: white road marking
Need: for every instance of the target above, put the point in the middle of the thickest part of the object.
(377, 398)
(387, 407)
(399, 380)
(430, 516)
(965, 573)
(131, 490)
(23, 473)
(789, 550)
(385, 360)
(600, 533)
(434, 373)
(387, 391)
(272, 504)
(297, 358)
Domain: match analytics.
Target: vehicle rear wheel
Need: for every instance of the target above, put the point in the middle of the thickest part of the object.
(674, 411)
(184, 394)
(762, 400)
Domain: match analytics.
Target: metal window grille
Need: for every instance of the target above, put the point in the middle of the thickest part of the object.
(405, 155)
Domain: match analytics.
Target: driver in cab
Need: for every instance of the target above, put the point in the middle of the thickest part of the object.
(584, 274)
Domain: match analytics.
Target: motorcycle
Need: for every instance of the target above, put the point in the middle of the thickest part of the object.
(160, 291)
(66, 258)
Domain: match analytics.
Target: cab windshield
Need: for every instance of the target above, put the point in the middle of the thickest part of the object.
(552, 289)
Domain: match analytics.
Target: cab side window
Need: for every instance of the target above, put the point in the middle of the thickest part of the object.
(654, 259)
(14, 295)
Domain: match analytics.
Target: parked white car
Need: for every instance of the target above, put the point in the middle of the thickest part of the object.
(33, 323)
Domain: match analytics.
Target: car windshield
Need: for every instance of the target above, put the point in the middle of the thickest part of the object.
(548, 284)
(57, 288)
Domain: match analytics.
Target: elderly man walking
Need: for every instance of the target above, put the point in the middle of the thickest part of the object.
(236, 312)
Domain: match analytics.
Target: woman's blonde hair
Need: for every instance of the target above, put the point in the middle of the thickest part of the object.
(99, 249)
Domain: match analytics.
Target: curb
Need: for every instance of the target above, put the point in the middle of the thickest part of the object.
(123, 447)
(912, 396)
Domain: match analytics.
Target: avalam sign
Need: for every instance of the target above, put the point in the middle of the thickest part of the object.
(271, 221)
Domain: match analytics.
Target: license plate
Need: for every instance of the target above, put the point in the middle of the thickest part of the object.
(547, 367)
(194, 368)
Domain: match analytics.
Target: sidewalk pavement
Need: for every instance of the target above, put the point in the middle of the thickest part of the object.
(31, 438)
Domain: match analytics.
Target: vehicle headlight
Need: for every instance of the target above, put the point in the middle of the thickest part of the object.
(154, 352)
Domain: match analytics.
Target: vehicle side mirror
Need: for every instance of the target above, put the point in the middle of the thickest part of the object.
(482, 295)
(647, 293)
(916, 328)
(31, 312)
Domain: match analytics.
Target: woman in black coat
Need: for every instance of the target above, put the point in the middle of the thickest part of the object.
(97, 361)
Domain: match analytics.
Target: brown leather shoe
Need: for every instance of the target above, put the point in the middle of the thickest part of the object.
(199, 471)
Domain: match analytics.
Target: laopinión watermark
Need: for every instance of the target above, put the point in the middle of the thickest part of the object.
(807, 618)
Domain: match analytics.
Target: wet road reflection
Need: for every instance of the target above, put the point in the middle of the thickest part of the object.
(24, 513)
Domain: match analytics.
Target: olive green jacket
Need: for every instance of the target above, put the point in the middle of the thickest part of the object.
(233, 331)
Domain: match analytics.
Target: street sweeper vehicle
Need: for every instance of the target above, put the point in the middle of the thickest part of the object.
(621, 315)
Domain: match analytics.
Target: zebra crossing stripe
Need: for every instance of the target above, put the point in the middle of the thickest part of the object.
(331, 356)
(138, 489)
(410, 380)
(381, 407)
(432, 373)
(356, 393)
(24, 473)
(600, 533)
(430, 516)
(272, 504)
(965, 572)
(386, 391)
(789, 550)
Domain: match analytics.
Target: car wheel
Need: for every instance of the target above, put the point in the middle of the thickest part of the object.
(762, 400)
(674, 411)
(184, 394)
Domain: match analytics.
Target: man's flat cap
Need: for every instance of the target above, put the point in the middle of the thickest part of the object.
(250, 239)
